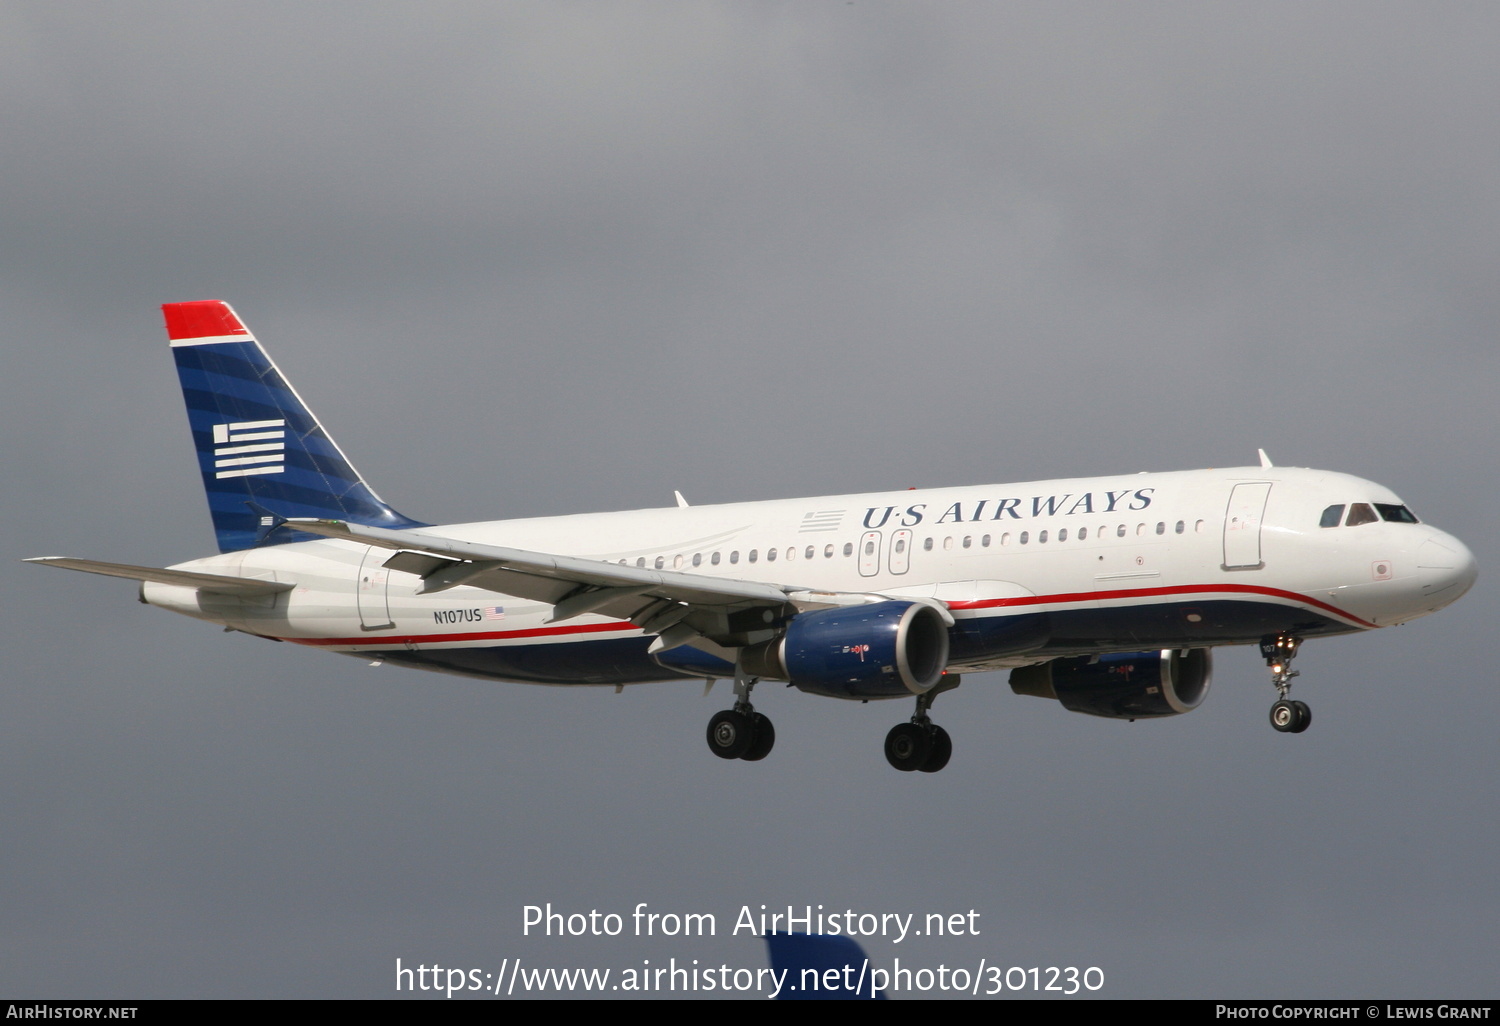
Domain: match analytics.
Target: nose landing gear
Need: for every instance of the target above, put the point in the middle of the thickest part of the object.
(1287, 716)
(921, 744)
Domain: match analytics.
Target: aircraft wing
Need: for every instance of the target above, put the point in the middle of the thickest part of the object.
(243, 586)
(682, 608)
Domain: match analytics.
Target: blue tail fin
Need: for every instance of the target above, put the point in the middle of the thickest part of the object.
(263, 454)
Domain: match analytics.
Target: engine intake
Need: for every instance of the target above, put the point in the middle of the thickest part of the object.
(1122, 686)
(881, 650)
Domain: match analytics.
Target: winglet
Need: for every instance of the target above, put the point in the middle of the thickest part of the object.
(1265, 461)
(680, 500)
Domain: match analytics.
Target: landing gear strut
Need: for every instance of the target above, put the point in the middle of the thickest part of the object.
(921, 744)
(1287, 716)
(741, 732)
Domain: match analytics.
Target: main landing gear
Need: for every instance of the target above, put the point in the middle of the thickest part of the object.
(741, 732)
(1287, 716)
(921, 744)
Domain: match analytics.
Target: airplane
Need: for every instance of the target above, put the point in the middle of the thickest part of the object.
(1104, 594)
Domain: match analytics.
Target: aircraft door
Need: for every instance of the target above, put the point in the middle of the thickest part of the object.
(1242, 521)
(900, 551)
(370, 587)
(869, 554)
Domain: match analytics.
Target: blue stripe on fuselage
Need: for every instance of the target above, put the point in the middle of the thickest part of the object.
(1056, 633)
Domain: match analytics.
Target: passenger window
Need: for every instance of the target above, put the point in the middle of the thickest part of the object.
(1005, 539)
(1120, 531)
(900, 547)
(791, 552)
(641, 562)
(714, 559)
(985, 542)
(1396, 514)
(677, 562)
(734, 556)
(1331, 516)
(1062, 535)
(1041, 538)
(1024, 536)
(869, 548)
(927, 543)
(697, 559)
(1198, 527)
(968, 541)
(1360, 513)
(661, 561)
(948, 542)
(1161, 527)
(770, 555)
(754, 555)
(828, 550)
(1083, 534)
(848, 548)
(1181, 527)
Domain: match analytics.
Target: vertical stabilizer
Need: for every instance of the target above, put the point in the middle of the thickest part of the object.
(262, 453)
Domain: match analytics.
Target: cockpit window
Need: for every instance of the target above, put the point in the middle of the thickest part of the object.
(1396, 514)
(1360, 513)
(1332, 515)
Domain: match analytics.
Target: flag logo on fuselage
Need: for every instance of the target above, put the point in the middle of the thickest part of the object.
(249, 447)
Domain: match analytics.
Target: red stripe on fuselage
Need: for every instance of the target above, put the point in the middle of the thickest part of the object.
(617, 626)
(438, 639)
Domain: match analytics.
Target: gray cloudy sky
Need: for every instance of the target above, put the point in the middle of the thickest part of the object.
(527, 259)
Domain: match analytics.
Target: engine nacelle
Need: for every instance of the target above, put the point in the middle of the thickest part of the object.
(881, 650)
(1122, 686)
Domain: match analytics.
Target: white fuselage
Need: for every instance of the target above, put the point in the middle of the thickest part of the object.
(1144, 561)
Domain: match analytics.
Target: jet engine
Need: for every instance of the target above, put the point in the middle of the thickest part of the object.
(1122, 686)
(880, 650)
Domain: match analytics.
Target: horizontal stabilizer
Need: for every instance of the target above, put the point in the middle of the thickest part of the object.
(182, 578)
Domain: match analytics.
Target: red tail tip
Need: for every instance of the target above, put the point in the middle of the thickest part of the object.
(208, 318)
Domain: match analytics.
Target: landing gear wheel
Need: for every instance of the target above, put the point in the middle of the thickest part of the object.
(1287, 718)
(907, 746)
(1304, 717)
(765, 738)
(942, 751)
(730, 734)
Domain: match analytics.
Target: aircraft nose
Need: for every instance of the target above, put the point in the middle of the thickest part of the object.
(1446, 568)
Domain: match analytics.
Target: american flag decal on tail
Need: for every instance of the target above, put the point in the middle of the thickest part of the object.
(249, 447)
